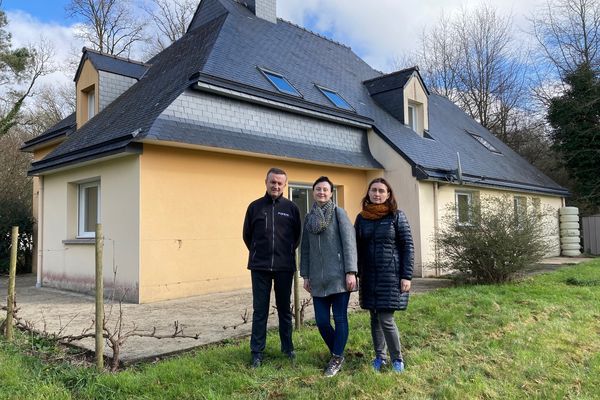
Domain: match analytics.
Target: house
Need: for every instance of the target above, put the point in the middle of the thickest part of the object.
(167, 154)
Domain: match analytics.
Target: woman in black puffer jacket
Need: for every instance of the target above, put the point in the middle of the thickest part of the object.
(385, 265)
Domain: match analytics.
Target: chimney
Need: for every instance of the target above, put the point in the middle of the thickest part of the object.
(265, 9)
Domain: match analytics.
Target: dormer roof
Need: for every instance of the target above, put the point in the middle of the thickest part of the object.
(392, 81)
(113, 64)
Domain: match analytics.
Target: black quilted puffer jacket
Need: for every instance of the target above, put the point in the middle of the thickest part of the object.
(385, 256)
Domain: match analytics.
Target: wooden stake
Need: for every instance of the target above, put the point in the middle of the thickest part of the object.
(10, 306)
(297, 299)
(99, 300)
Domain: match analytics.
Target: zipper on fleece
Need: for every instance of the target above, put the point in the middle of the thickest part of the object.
(273, 231)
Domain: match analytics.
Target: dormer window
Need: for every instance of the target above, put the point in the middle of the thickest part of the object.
(91, 103)
(87, 105)
(280, 83)
(335, 98)
(412, 117)
(415, 118)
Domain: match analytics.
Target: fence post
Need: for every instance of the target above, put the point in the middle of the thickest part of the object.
(99, 300)
(297, 299)
(10, 306)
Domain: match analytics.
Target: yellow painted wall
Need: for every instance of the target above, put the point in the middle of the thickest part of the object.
(446, 200)
(72, 266)
(414, 91)
(192, 211)
(88, 78)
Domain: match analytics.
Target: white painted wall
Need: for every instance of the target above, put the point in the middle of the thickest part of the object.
(72, 266)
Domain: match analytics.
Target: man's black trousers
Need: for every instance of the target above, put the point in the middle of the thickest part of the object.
(262, 282)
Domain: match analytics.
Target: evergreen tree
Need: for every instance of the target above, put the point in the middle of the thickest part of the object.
(575, 119)
(14, 63)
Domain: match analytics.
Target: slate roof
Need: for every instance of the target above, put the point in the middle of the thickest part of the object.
(114, 64)
(226, 44)
(63, 128)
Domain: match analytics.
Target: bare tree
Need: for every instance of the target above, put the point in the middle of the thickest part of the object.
(568, 35)
(109, 26)
(472, 59)
(171, 19)
(439, 56)
(51, 104)
(568, 32)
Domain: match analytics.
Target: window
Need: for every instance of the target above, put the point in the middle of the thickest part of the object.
(537, 207)
(88, 208)
(520, 205)
(412, 117)
(302, 196)
(485, 143)
(91, 103)
(335, 98)
(280, 82)
(464, 208)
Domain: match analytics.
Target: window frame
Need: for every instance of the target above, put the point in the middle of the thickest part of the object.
(519, 207)
(485, 143)
(292, 186)
(82, 208)
(412, 115)
(268, 73)
(330, 92)
(91, 103)
(470, 202)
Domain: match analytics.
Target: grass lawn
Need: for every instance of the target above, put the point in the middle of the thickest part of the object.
(539, 338)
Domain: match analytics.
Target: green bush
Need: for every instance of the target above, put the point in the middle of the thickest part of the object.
(500, 240)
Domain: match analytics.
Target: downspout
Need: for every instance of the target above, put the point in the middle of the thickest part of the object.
(40, 229)
(436, 226)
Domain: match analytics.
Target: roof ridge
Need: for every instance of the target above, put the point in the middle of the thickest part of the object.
(414, 68)
(315, 33)
(243, 3)
(129, 60)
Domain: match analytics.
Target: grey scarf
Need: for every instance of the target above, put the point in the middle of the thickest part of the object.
(319, 218)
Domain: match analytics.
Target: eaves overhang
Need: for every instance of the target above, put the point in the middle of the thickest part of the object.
(48, 138)
(452, 177)
(113, 147)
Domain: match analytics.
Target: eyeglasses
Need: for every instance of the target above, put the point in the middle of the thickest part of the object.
(380, 191)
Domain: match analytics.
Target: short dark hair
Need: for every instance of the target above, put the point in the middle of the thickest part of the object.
(276, 171)
(323, 179)
(391, 201)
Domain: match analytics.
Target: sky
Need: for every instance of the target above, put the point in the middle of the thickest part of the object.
(379, 31)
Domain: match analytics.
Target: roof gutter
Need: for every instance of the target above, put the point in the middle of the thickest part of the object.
(89, 154)
(450, 177)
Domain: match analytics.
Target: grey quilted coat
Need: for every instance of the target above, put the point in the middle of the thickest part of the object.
(325, 258)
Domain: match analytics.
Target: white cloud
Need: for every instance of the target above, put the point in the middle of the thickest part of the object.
(27, 30)
(380, 31)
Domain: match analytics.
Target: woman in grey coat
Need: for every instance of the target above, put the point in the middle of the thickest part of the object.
(328, 265)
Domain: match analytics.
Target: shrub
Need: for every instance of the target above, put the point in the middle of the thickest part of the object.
(500, 241)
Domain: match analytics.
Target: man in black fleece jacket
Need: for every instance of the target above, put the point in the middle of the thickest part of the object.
(272, 230)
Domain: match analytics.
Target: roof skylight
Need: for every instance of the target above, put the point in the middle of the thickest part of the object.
(485, 143)
(280, 82)
(335, 98)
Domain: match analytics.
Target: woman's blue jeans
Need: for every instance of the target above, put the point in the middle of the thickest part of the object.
(335, 338)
